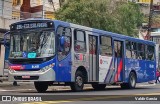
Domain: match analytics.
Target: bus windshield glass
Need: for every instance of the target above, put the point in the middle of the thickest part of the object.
(32, 44)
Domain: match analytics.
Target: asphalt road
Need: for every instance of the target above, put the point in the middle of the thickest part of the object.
(145, 93)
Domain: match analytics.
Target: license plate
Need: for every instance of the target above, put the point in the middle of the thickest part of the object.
(26, 76)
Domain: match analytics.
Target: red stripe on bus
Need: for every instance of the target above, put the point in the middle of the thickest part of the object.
(16, 67)
(119, 70)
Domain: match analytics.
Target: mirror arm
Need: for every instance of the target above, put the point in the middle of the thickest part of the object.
(5, 36)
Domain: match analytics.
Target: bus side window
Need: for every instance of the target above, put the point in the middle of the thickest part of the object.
(92, 45)
(134, 50)
(141, 51)
(66, 32)
(105, 46)
(118, 49)
(128, 49)
(79, 41)
(150, 52)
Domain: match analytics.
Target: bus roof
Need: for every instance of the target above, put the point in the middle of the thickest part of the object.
(101, 32)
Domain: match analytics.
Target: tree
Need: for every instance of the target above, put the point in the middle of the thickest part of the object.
(120, 17)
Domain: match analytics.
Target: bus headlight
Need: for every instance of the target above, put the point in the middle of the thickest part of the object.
(47, 67)
(11, 70)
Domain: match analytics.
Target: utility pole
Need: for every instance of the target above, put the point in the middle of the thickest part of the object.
(43, 12)
(150, 20)
(60, 3)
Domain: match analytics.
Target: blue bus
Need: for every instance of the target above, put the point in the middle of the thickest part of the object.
(48, 52)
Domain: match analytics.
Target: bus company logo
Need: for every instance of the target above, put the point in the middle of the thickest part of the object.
(151, 66)
(81, 57)
(6, 98)
(35, 66)
(103, 61)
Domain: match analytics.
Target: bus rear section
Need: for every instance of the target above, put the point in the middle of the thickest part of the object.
(141, 60)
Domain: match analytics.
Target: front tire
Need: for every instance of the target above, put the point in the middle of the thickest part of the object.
(41, 86)
(79, 82)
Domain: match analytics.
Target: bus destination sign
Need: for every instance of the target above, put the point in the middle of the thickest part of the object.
(31, 25)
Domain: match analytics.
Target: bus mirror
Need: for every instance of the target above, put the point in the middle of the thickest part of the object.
(62, 41)
(6, 43)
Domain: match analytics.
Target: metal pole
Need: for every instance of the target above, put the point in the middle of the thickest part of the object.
(150, 20)
(60, 3)
(43, 13)
(53, 6)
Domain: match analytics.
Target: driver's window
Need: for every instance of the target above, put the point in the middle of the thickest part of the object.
(47, 43)
(64, 50)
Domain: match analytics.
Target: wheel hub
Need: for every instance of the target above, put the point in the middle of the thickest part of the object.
(79, 81)
(133, 81)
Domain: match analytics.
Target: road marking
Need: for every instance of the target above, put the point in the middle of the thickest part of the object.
(49, 102)
(157, 93)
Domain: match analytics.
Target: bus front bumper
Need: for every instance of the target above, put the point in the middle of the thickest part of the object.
(48, 75)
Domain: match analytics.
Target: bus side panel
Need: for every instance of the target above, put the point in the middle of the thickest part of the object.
(145, 70)
(134, 65)
(80, 59)
(150, 70)
(119, 74)
(141, 71)
(63, 67)
(106, 74)
(63, 71)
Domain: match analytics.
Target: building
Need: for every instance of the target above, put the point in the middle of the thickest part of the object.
(15, 10)
(23, 9)
(5, 16)
(155, 17)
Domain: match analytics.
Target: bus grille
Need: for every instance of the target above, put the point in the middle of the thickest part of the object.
(31, 78)
(29, 70)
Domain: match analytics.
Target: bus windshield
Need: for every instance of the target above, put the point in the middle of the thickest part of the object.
(32, 44)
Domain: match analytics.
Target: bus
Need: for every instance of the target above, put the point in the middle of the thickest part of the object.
(155, 37)
(49, 52)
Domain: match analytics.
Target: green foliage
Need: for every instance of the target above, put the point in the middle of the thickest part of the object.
(120, 17)
(156, 19)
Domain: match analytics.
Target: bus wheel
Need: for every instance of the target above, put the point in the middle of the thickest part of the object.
(132, 82)
(41, 86)
(97, 86)
(158, 78)
(79, 82)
